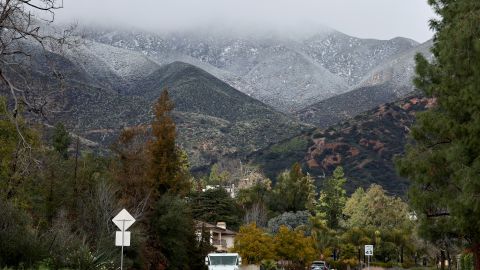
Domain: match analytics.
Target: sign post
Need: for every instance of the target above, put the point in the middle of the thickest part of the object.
(123, 220)
(368, 253)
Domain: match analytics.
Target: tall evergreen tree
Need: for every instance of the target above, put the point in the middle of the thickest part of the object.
(130, 168)
(443, 162)
(167, 169)
(61, 140)
(168, 173)
(216, 205)
(172, 223)
(332, 198)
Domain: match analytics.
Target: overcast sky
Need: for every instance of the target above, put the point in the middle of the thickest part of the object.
(381, 19)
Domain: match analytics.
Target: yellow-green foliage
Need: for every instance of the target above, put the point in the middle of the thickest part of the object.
(253, 244)
(375, 209)
(295, 247)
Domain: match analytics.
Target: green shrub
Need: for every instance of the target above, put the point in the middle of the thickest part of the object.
(19, 242)
(407, 264)
(293, 145)
(466, 262)
(268, 265)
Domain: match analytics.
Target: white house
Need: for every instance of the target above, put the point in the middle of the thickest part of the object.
(220, 237)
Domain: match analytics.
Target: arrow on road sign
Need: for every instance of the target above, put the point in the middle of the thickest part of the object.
(369, 250)
(123, 220)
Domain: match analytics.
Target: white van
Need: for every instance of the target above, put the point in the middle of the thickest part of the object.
(223, 261)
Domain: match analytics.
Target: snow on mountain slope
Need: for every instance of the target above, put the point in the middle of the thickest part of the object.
(312, 68)
(109, 66)
(386, 83)
(398, 72)
(290, 81)
(125, 63)
(352, 58)
(237, 82)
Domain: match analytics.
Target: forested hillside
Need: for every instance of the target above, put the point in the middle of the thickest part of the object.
(365, 146)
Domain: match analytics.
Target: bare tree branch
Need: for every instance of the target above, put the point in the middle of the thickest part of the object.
(434, 215)
(21, 24)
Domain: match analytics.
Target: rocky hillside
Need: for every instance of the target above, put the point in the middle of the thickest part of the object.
(365, 146)
(388, 82)
(334, 110)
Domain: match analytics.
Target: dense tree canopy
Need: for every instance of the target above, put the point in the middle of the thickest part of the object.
(443, 162)
(254, 244)
(294, 191)
(294, 247)
(216, 205)
(375, 209)
(291, 220)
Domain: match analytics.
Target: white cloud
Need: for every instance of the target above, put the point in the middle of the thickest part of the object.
(382, 19)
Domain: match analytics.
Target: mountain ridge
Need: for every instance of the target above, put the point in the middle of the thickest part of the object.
(233, 58)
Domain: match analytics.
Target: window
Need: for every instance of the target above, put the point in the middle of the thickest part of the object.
(223, 260)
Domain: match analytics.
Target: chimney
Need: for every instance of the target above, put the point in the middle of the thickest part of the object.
(222, 225)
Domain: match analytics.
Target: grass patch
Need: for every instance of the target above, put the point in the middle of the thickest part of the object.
(293, 145)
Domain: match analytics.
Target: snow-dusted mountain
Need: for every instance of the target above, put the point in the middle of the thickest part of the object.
(104, 89)
(388, 82)
(352, 58)
(288, 73)
(399, 71)
(112, 78)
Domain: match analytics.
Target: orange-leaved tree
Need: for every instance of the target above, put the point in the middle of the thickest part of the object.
(167, 168)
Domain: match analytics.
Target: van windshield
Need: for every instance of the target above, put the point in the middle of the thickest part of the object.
(223, 260)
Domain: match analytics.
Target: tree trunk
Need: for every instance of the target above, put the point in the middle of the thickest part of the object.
(449, 260)
(401, 254)
(442, 259)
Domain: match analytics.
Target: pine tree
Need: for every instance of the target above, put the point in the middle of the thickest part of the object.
(61, 140)
(168, 173)
(332, 198)
(443, 162)
(166, 169)
(130, 167)
(216, 205)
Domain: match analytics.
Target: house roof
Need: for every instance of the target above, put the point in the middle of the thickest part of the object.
(201, 224)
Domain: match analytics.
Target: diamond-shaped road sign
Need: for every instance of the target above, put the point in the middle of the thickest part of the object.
(123, 220)
(369, 250)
